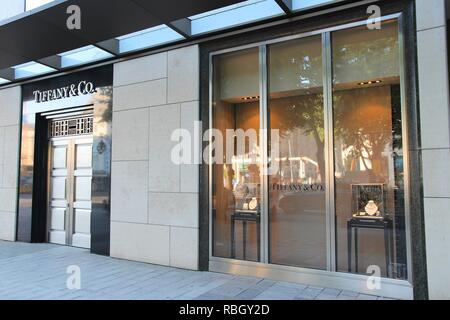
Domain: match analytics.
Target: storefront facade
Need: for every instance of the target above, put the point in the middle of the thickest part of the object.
(312, 152)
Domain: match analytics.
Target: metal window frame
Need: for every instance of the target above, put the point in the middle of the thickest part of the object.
(264, 120)
(390, 287)
(327, 70)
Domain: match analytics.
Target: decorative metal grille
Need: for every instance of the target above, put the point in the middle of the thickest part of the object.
(71, 127)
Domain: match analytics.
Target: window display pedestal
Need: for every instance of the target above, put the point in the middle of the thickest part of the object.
(245, 216)
(385, 224)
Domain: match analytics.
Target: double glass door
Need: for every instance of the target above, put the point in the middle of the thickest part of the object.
(312, 146)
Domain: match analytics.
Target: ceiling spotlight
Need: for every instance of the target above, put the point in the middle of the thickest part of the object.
(370, 82)
(250, 98)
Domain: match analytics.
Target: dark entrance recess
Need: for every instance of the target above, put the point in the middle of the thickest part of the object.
(39, 204)
(33, 198)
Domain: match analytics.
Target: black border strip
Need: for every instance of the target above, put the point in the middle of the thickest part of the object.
(31, 215)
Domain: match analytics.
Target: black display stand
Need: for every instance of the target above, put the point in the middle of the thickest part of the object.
(245, 216)
(385, 224)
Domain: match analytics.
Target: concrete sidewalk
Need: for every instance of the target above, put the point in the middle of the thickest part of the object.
(38, 271)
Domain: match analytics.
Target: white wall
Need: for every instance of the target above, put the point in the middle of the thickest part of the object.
(10, 8)
(154, 202)
(435, 132)
(10, 105)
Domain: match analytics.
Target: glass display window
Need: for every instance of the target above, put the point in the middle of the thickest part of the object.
(328, 113)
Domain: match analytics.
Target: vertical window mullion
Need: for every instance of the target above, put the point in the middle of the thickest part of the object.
(210, 155)
(264, 122)
(329, 150)
(406, 148)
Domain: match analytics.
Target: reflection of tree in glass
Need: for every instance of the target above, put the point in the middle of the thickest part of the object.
(104, 97)
(305, 113)
(365, 135)
(301, 108)
(365, 131)
(368, 60)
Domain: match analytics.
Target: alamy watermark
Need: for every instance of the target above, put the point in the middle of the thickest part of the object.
(224, 145)
(374, 280)
(73, 281)
(374, 20)
(74, 20)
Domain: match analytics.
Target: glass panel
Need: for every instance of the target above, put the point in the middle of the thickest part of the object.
(370, 206)
(83, 55)
(147, 38)
(33, 4)
(307, 4)
(297, 200)
(236, 181)
(31, 69)
(240, 13)
(3, 81)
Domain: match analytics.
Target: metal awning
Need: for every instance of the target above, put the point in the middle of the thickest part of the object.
(43, 33)
(39, 40)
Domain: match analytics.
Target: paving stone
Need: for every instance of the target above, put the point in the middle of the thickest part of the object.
(316, 288)
(303, 298)
(210, 296)
(273, 295)
(39, 272)
(289, 291)
(349, 293)
(250, 294)
(264, 284)
(310, 293)
(332, 292)
(324, 296)
(233, 287)
(366, 297)
(296, 286)
(343, 297)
